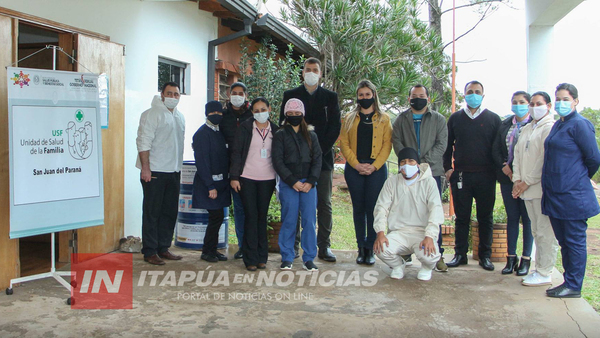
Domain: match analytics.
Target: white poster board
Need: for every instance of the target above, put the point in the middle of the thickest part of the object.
(55, 151)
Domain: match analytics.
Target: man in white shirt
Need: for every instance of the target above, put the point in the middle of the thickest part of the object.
(410, 206)
(160, 157)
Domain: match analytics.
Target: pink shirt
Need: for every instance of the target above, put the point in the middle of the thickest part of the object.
(257, 167)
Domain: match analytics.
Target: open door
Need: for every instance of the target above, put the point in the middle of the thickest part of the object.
(101, 56)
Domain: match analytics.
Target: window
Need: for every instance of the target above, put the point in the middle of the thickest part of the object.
(223, 87)
(173, 71)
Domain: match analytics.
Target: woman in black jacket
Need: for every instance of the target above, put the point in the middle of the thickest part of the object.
(253, 177)
(297, 160)
(503, 154)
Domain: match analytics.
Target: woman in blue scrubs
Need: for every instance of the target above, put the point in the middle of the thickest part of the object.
(571, 158)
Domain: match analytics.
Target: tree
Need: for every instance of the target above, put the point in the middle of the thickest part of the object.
(383, 41)
(267, 74)
(484, 7)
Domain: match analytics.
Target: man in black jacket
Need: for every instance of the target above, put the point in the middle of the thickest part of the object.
(236, 111)
(471, 133)
(323, 112)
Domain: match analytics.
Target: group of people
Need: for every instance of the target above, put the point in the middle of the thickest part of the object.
(543, 167)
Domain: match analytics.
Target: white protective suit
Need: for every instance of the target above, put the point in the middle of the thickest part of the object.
(409, 213)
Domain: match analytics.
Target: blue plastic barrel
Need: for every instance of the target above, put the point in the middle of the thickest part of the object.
(192, 223)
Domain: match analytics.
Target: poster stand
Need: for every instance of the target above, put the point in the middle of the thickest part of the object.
(58, 275)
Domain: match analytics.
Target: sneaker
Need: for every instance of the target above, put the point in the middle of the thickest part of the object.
(209, 257)
(398, 272)
(310, 266)
(536, 279)
(286, 266)
(441, 266)
(424, 274)
(220, 256)
(530, 273)
(407, 259)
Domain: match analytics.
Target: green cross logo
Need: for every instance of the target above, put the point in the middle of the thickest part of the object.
(79, 115)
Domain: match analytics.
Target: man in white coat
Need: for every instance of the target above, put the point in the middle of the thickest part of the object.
(409, 205)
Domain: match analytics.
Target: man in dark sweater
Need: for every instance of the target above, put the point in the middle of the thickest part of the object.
(471, 132)
(236, 111)
(323, 112)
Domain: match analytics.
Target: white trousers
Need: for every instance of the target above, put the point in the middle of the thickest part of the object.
(405, 244)
(546, 246)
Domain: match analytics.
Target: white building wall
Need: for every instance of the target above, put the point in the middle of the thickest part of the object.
(174, 29)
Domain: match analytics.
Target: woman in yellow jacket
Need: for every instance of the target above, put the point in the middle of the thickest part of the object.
(365, 170)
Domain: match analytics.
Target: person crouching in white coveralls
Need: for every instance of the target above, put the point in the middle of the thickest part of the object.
(410, 205)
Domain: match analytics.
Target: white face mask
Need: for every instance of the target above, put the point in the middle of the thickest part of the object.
(261, 117)
(539, 112)
(171, 102)
(311, 78)
(409, 170)
(237, 100)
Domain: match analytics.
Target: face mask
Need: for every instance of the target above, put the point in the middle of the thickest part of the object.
(215, 119)
(294, 120)
(409, 170)
(418, 103)
(366, 103)
(311, 78)
(520, 109)
(171, 102)
(261, 117)
(563, 108)
(474, 100)
(237, 100)
(539, 112)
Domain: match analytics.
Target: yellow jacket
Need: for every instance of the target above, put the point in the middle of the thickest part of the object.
(382, 141)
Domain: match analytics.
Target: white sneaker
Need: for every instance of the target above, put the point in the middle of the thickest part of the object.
(536, 279)
(398, 272)
(530, 273)
(424, 274)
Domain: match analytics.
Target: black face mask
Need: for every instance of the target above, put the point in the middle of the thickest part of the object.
(418, 103)
(366, 103)
(215, 119)
(294, 120)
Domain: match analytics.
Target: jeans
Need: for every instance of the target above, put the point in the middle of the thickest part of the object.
(480, 186)
(293, 202)
(364, 191)
(515, 211)
(256, 196)
(238, 217)
(572, 237)
(159, 212)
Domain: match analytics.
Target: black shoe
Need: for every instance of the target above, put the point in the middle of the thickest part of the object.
(327, 255)
(457, 260)
(486, 263)
(296, 254)
(221, 257)
(554, 289)
(564, 292)
(286, 265)
(511, 265)
(361, 256)
(238, 254)
(523, 269)
(369, 257)
(310, 266)
(209, 257)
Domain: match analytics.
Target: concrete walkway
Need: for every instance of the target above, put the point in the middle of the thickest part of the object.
(464, 302)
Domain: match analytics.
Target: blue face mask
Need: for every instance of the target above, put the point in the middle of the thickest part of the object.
(563, 108)
(474, 100)
(520, 109)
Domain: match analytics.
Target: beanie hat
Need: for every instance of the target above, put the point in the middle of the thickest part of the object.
(212, 106)
(409, 153)
(294, 105)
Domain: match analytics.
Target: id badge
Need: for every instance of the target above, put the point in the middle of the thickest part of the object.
(459, 185)
(263, 153)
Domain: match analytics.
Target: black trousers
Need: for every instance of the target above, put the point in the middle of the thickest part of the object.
(256, 197)
(159, 212)
(211, 237)
(480, 186)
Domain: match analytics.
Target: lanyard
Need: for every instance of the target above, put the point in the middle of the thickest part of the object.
(263, 134)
